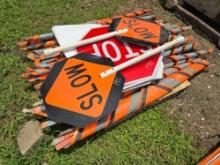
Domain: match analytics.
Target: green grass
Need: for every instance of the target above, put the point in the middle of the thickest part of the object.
(149, 138)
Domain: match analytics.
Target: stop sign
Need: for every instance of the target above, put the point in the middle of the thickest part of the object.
(119, 52)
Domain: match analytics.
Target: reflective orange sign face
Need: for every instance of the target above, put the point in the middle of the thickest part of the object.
(80, 91)
(140, 30)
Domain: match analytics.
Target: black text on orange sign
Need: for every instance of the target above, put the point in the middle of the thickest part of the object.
(142, 31)
(78, 77)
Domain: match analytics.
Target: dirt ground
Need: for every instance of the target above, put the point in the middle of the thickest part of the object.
(197, 109)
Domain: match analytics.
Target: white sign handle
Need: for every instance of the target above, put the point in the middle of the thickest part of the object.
(83, 42)
(141, 57)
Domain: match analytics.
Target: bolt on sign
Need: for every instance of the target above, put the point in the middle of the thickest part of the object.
(75, 94)
(140, 31)
(119, 52)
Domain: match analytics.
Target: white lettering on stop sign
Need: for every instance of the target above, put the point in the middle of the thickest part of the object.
(110, 44)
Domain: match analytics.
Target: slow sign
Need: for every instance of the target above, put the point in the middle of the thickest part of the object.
(75, 94)
(140, 31)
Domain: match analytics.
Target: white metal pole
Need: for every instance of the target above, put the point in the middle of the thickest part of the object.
(83, 42)
(141, 57)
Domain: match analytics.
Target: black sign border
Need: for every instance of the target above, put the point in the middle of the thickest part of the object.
(72, 118)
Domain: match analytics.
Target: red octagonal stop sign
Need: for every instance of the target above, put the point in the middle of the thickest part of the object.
(120, 52)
